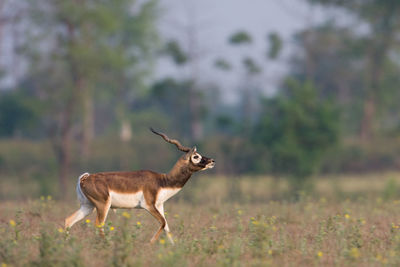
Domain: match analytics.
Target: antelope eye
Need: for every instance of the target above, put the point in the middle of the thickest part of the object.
(196, 158)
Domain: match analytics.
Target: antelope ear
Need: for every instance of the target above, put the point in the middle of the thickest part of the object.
(190, 152)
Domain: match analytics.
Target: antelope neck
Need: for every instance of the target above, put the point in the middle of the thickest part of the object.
(178, 176)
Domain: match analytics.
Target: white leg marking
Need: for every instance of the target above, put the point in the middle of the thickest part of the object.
(160, 208)
(83, 211)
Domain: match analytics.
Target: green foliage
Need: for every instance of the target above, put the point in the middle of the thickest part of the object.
(364, 61)
(275, 45)
(390, 190)
(18, 114)
(98, 49)
(173, 98)
(251, 66)
(174, 50)
(366, 9)
(240, 37)
(297, 131)
(222, 64)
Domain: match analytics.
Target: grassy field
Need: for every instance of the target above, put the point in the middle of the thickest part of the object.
(345, 221)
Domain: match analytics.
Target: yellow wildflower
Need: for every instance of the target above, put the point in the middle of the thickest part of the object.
(126, 215)
(347, 216)
(239, 212)
(138, 223)
(12, 223)
(162, 241)
(320, 254)
(49, 197)
(42, 198)
(270, 252)
(60, 230)
(255, 222)
(87, 221)
(355, 253)
(112, 228)
(3, 265)
(100, 225)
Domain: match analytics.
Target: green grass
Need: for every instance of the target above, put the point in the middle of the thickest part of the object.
(345, 222)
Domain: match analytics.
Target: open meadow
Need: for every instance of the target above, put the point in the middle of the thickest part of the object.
(289, 111)
(344, 221)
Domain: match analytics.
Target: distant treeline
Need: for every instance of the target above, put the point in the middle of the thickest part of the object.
(86, 95)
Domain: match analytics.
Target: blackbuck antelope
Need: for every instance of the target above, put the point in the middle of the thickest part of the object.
(138, 189)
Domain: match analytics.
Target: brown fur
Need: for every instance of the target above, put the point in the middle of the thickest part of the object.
(96, 187)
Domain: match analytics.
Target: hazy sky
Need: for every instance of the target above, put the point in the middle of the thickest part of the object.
(203, 27)
(207, 24)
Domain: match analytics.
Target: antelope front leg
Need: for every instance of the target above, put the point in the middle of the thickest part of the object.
(160, 208)
(102, 211)
(153, 211)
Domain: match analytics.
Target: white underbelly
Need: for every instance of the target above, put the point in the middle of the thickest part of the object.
(127, 200)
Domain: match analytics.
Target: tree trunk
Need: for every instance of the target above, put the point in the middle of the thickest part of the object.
(62, 142)
(380, 47)
(366, 132)
(196, 126)
(88, 121)
(63, 148)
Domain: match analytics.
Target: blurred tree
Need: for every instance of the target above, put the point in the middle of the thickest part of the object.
(188, 59)
(252, 68)
(222, 64)
(332, 57)
(171, 96)
(18, 114)
(175, 51)
(383, 20)
(80, 49)
(249, 90)
(240, 37)
(275, 45)
(296, 130)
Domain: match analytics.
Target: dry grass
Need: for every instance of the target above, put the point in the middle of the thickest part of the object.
(351, 231)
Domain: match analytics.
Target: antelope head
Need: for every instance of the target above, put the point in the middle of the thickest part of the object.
(193, 159)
